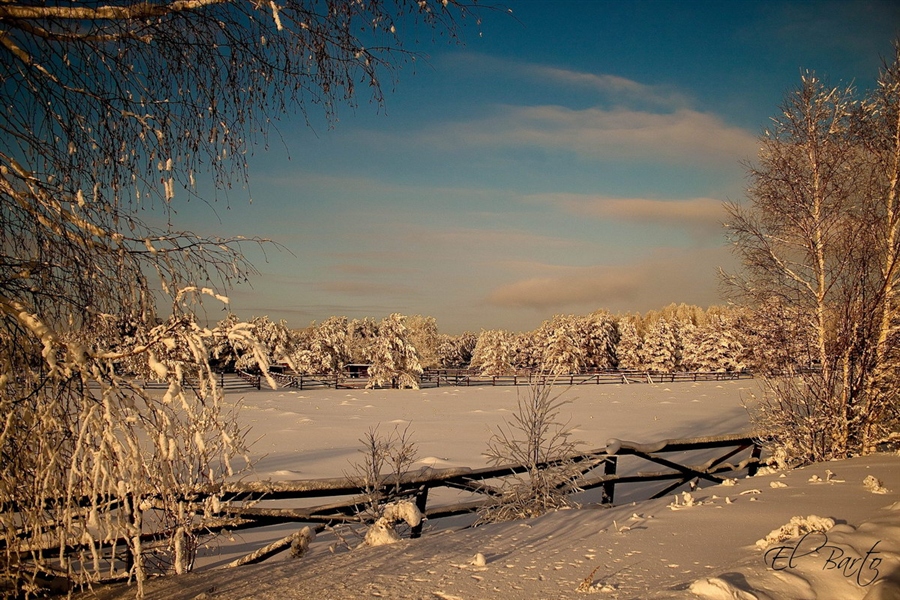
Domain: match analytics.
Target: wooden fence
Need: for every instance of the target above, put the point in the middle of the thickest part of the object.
(598, 468)
(465, 377)
(230, 382)
(245, 503)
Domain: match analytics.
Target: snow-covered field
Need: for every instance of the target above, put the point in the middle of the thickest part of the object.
(702, 546)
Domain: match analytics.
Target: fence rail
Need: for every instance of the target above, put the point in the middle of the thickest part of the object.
(226, 381)
(244, 503)
(466, 377)
(599, 469)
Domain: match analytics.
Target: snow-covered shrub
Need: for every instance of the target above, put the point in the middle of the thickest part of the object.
(874, 485)
(537, 439)
(796, 527)
(385, 460)
(797, 418)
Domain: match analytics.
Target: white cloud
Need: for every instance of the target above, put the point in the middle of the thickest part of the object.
(702, 217)
(683, 137)
(671, 275)
(610, 88)
(629, 120)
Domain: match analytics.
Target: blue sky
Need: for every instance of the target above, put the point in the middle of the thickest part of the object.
(571, 157)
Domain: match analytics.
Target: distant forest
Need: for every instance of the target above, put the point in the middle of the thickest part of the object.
(678, 337)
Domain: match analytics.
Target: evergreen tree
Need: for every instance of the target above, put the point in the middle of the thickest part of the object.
(660, 351)
(629, 350)
(395, 362)
(563, 346)
(493, 353)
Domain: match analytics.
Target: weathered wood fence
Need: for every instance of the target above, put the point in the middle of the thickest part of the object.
(599, 469)
(465, 377)
(229, 382)
(244, 503)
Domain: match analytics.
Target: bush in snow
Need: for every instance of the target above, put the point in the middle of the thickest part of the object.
(386, 459)
(537, 439)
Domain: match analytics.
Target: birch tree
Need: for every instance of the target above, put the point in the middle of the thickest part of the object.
(819, 238)
(112, 112)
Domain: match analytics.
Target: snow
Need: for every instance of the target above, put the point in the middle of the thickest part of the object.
(707, 548)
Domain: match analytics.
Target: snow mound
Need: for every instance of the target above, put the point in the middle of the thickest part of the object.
(714, 588)
(404, 510)
(302, 540)
(382, 531)
(796, 527)
(874, 485)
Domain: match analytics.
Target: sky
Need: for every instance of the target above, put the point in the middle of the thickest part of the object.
(567, 157)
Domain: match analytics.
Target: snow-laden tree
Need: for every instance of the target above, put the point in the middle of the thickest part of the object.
(526, 352)
(111, 112)
(599, 337)
(223, 353)
(493, 353)
(331, 345)
(713, 346)
(661, 351)
(629, 350)
(455, 351)
(423, 335)
(275, 337)
(562, 345)
(820, 237)
(323, 348)
(395, 362)
(363, 333)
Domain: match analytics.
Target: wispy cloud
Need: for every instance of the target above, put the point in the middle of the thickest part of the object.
(365, 288)
(610, 88)
(628, 119)
(679, 275)
(702, 217)
(686, 137)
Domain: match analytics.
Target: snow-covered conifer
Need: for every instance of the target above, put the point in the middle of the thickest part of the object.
(563, 350)
(395, 362)
(629, 350)
(660, 351)
(493, 354)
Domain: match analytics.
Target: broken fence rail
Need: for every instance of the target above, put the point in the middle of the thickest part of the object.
(598, 470)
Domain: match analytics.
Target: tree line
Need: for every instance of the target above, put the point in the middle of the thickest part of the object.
(398, 348)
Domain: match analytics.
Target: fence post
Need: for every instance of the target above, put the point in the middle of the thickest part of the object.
(421, 504)
(754, 464)
(609, 487)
